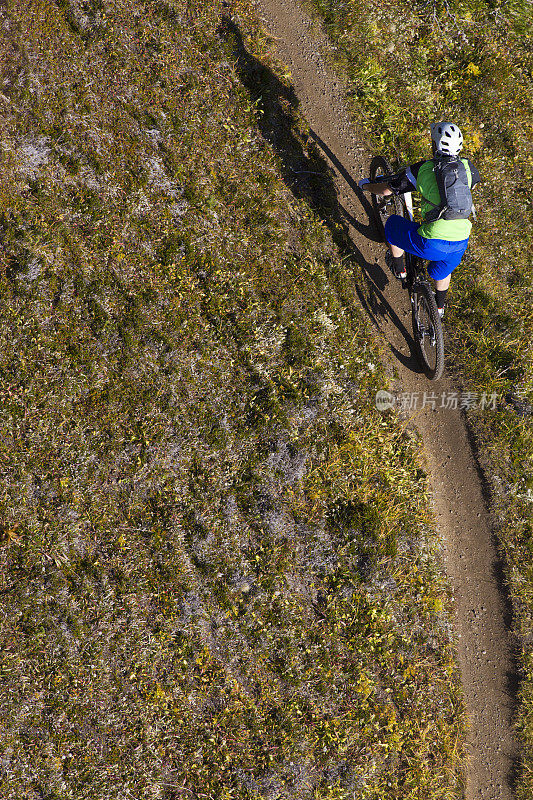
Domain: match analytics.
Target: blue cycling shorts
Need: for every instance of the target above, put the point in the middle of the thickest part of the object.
(444, 256)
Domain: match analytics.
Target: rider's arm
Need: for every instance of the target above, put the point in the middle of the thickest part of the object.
(407, 179)
(401, 182)
(382, 188)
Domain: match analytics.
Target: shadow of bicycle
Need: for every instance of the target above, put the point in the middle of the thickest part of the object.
(309, 169)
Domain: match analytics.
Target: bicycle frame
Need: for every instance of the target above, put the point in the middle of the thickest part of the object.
(414, 264)
(427, 326)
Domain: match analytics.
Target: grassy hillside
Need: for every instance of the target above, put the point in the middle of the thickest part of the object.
(411, 63)
(218, 573)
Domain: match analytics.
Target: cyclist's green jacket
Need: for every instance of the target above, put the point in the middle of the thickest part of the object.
(422, 177)
(453, 230)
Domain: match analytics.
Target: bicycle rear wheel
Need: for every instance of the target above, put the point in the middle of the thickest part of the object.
(383, 207)
(427, 329)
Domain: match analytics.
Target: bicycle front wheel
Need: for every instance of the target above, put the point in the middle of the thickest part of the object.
(383, 207)
(427, 329)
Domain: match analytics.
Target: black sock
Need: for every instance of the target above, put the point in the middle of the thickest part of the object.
(440, 297)
(398, 263)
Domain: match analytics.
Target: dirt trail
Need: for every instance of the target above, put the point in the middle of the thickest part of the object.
(485, 653)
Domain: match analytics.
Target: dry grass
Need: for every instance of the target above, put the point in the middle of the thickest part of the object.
(219, 578)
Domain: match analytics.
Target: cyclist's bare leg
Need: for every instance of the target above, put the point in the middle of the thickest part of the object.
(443, 283)
(383, 190)
(397, 252)
(441, 292)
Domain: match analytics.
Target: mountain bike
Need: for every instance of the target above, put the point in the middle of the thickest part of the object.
(427, 325)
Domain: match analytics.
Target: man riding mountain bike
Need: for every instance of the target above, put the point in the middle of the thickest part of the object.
(442, 238)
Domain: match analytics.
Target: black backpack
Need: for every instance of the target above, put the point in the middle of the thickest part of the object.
(455, 195)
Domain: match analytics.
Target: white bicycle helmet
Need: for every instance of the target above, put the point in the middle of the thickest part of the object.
(447, 137)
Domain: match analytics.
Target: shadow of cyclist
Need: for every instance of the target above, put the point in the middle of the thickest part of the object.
(371, 295)
(304, 169)
(307, 173)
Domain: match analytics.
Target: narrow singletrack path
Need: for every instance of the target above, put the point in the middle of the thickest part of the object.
(484, 642)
